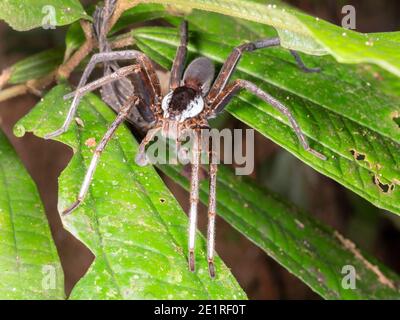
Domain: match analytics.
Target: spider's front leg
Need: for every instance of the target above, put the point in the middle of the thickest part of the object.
(231, 62)
(131, 102)
(148, 76)
(180, 56)
(117, 75)
(227, 94)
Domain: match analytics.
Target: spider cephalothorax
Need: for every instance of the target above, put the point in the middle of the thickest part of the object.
(193, 98)
(182, 103)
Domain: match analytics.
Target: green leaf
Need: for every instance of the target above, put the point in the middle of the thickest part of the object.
(129, 220)
(299, 31)
(36, 66)
(24, 15)
(139, 13)
(29, 264)
(74, 38)
(347, 112)
(311, 251)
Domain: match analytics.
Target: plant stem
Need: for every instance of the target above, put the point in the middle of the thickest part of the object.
(4, 77)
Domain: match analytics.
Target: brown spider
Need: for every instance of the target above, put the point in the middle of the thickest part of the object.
(192, 100)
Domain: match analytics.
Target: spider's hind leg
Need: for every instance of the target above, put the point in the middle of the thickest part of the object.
(231, 62)
(117, 75)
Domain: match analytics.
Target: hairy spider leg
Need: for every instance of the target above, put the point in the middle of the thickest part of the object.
(231, 62)
(179, 61)
(121, 116)
(149, 77)
(228, 93)
(212, 210)
(117, 75)
(194, 197)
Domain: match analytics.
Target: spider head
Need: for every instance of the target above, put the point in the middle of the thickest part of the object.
(183, 103)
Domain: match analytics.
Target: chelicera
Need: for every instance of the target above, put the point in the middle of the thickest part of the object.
(193, 98)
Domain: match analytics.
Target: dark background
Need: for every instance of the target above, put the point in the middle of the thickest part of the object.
(261, 277)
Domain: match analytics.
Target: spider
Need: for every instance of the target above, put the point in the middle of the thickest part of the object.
(193, 98)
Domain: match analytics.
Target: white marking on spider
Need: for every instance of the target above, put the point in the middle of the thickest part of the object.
(165, 104)
(194, 107)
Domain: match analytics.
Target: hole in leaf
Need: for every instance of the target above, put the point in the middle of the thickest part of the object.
(384, 187)
(358, 156)
(162, 200)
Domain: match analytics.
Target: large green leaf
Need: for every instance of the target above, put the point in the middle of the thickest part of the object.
(42, 63)
(138, 14)
(28, 14)
(346, 111)
(36, 66)
(302, 32)
(129, 219)
(311, 251)
(29, 264)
